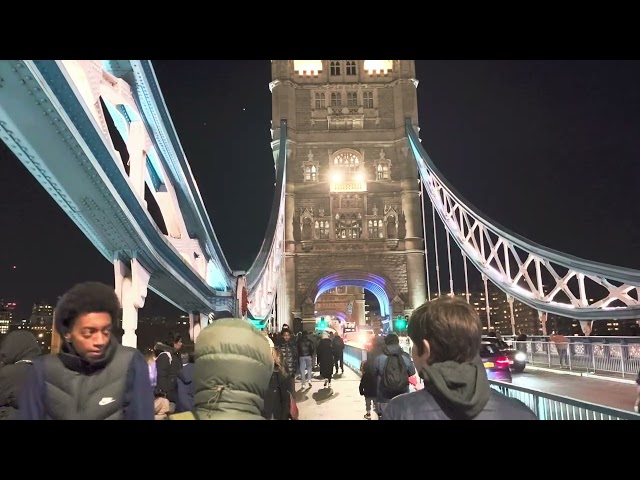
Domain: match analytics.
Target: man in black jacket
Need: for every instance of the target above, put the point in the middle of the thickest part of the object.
(446, 335)
(93, 377)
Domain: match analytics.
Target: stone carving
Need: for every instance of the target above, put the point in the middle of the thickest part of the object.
(307, 229)
(382, 154)
(392, 228)
(308, 308)
(375, 210)
(310, 156)
(321, 212)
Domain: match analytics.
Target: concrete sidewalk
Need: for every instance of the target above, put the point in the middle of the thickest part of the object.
(341, 402)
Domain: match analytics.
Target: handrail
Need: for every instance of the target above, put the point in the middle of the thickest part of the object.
(550, 411)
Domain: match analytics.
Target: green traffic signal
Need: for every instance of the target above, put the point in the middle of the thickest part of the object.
(400, 323)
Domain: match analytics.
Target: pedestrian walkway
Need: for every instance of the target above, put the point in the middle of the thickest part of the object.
(341, 402)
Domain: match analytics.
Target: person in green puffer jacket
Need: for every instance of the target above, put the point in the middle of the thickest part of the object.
(233, 366)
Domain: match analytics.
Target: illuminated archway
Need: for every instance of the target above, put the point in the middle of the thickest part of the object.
(377, 284)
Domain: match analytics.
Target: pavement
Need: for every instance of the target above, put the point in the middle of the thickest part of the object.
(343, 401)
(340, 402)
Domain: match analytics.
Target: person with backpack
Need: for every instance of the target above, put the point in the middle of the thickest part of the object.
(393, 370)
(368, 379)
(17, 353)
(446, 335)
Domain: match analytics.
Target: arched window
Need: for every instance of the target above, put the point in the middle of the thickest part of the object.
(320, 103)
(367, 99)
(347, 161)
(334, 67)
(352, 99)
(351, 67)
(336, 99)
(310, 173)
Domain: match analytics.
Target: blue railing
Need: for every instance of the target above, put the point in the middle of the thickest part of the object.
(546, 406)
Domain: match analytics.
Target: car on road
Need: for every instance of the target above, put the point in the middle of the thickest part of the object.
(495, 362)
(517, 358)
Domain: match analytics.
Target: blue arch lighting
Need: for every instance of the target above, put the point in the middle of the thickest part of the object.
(374, 283)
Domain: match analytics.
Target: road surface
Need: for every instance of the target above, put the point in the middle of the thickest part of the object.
(602, 392)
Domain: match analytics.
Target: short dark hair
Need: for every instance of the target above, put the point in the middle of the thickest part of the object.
(391, 339)
(452, 328)
(83, 298)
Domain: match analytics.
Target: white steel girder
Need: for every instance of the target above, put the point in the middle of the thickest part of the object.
(577, 288)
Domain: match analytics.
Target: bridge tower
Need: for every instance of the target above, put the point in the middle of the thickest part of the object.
(353, 210)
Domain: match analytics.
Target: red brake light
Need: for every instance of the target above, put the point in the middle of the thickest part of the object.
(502, 361)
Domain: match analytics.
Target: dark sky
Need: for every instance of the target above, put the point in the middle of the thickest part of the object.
(548, 149)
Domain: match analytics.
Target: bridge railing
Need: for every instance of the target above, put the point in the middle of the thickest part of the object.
(548, 406)
(593, 357)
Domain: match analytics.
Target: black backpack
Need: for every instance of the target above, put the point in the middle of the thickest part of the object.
(395, 375)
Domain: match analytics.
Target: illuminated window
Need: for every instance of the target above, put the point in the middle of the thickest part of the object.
(322, 229)
(376, 228)
(367, 99)
(348, 226)
(351, 67)
(382, 171)
(336, 100)
(352, 99)
(334, 67)
(320, 102)
(347, 161)
(310, 173)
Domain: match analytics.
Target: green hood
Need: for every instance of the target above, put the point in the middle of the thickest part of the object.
(462, 389)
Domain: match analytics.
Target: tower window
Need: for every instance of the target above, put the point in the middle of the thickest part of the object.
(320, 101)
(352, 99)
(334, 67)
(322, 229)
(351, 67)
(376, 228)
(336, 99)
(310, 173)
(367, 99)
(382, 171)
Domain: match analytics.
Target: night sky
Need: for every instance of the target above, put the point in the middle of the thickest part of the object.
(548, 149)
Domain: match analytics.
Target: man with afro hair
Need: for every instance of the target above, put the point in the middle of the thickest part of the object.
(92, 377)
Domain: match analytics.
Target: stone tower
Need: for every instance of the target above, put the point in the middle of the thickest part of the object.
(353, 211)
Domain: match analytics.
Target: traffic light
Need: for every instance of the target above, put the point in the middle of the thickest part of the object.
(322, 324)
(400, 324)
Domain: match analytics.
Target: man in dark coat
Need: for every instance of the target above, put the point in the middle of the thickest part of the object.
(17, 353)
(325, 359)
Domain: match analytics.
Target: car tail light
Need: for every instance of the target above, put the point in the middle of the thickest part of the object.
(502, 362)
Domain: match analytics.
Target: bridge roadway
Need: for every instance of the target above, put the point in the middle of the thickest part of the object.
(343, 400)
(595, 390)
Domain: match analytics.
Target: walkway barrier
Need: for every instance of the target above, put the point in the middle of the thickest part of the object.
(584, 356)
(548, 406)
(353, 357)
